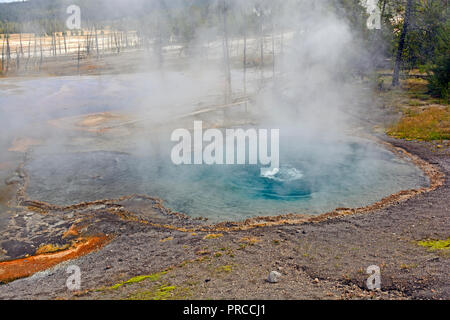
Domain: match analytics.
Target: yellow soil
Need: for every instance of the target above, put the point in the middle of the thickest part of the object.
(51, 248)
(95, 122)
(97, 119)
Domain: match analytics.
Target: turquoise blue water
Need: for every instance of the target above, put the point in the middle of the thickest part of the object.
(311, 180)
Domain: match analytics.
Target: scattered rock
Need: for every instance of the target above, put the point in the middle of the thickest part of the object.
(274, 277)
(98, 207)
(316, 280)
(433, 259)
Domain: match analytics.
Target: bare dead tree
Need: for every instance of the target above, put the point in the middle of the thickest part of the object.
(159, 44)
(21, 47)
(259, 11)
(51, 45)
(29, 53)
(261, 29)
(87, 44)
(42, 54)
(103, 41)
(35, 46)
(8, 52)
(226, 51)
(116, 40)
(3, 53)
(65, 43)
(79, 58)
(29, 48)
(54, 43)
(17, 61)
(273, 50)
(96, 42)
(245, 60)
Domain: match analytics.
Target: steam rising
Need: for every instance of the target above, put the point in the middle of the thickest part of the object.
(305, 82)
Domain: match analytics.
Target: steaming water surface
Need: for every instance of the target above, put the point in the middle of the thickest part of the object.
(361, 175)
(314, 177)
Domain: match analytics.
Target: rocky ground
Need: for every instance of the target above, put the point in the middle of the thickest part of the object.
(150, 253)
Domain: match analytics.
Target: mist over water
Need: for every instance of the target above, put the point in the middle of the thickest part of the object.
(307, 89)
(362, 174)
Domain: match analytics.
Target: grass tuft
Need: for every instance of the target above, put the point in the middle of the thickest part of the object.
(213, 236)
(152, 277)
(163, 292)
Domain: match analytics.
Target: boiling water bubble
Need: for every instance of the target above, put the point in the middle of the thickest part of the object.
(284, 174)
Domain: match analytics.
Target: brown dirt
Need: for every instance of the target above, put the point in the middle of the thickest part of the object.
(94, 120)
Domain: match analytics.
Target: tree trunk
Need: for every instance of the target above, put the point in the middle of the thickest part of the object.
(96, 42)
(383, 10)
(78, 58)
(273, 50)
(3, 54)
(65, 43)
(226, 53)
(54, 44)
(245, 62)
(35, 46)
(401, 44)
(42, 53)
(262, 46)
(159, 44)
(8, 52)
(21, 47)
(17, 61)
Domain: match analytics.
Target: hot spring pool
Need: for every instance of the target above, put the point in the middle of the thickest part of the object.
(313, 178)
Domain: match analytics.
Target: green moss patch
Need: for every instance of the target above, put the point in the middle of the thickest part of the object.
(152, 277)
(163, 292)
(435, 244)
(226, 269)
